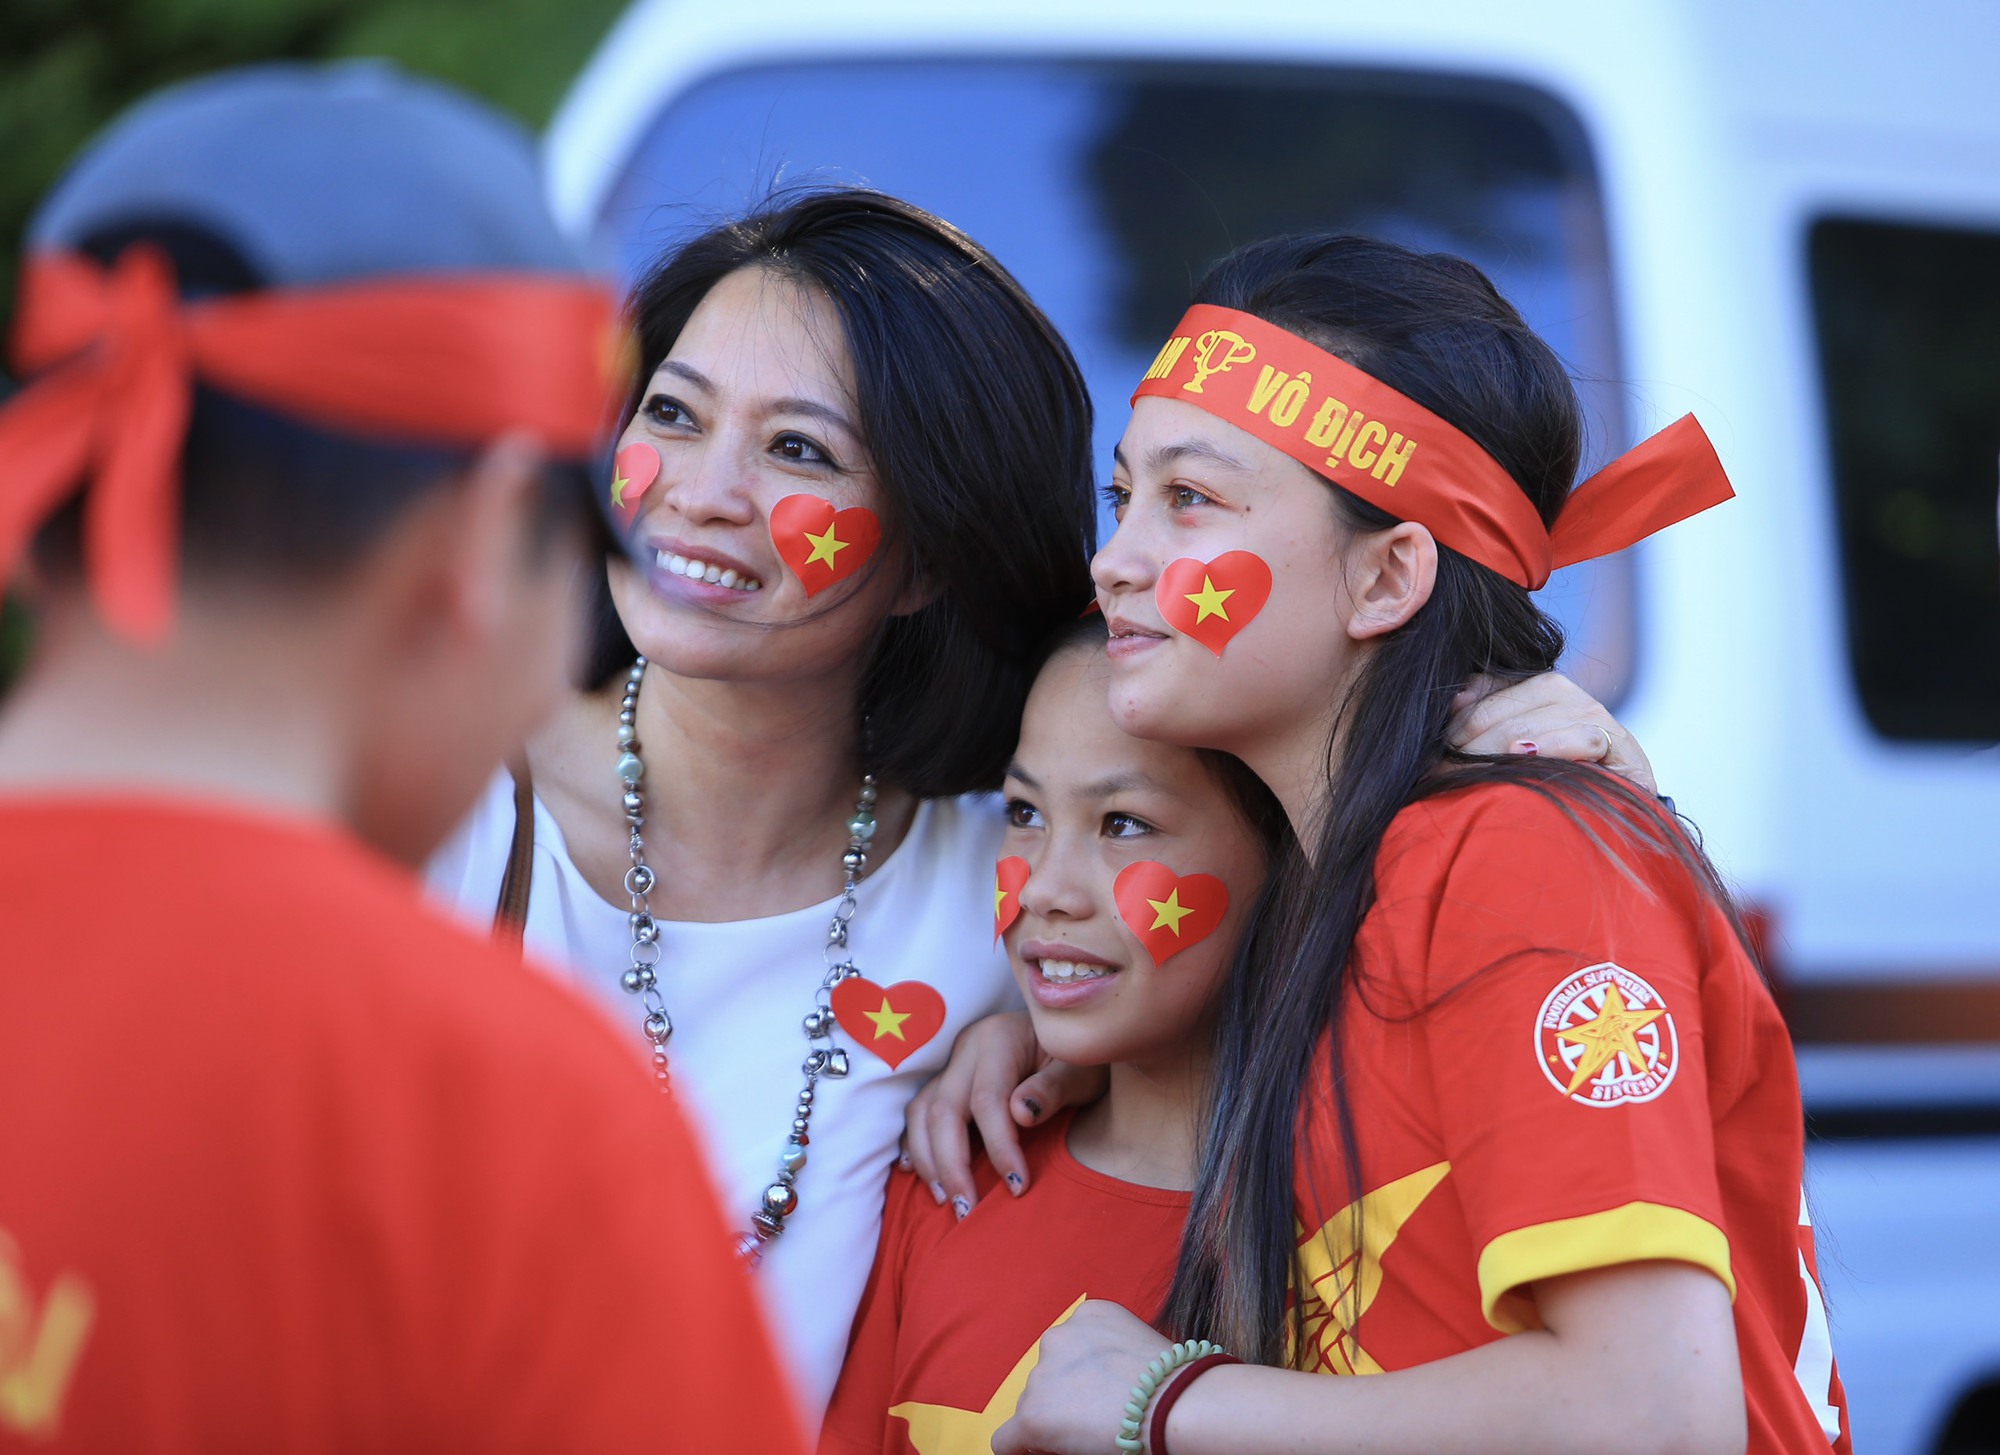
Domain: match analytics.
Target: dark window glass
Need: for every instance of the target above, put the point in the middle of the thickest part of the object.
(1909, 333)
(1109, 188)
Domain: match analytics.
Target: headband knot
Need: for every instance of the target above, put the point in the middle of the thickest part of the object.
(1349, 427)
(451, 360)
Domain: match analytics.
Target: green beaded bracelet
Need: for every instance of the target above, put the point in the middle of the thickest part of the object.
(1176, 1357)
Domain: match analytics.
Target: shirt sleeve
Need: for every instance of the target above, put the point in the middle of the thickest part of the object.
(1560, 1025)
(858, 1416)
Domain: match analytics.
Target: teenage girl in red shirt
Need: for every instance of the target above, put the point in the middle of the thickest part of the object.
(1503, 1112)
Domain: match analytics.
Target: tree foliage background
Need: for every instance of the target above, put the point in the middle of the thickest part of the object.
(69, 66)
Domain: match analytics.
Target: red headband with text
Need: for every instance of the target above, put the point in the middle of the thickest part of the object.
(1392, 452)
(453, 360)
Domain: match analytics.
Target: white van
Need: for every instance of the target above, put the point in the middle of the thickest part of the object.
(1784, 217)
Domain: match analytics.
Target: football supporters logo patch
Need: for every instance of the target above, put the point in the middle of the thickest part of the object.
(1605, 1038)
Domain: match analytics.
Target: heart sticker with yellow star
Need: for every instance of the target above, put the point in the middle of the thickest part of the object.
(1010, 876)
(894, 1022)
(1168, 911)
(633, 469)
(1212, 601)
(823, 546)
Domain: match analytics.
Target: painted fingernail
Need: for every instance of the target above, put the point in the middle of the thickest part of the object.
(1527, 748)
(1034, 1107)
(960, 1206)
(937, 1191)
(903, 1163)
(1016, 1184)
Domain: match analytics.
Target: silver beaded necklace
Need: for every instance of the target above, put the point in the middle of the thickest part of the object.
(823, 1057)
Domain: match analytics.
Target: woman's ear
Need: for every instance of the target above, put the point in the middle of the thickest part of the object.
(1390, 576)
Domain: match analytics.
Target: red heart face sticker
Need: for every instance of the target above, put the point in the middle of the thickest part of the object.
(1009, 875)
(894, 1023)
(1213, 601)
(820, 544)
(633, 469)
(1168, 911)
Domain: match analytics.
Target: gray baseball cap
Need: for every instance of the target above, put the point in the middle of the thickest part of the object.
(315, 173)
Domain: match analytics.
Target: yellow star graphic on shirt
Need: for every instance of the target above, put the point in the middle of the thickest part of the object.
(887, 1021)
(1343, 1275)
(1611, 1031)
(825, 547)
(1208, 601)
(939, 1429)
(1169, 912)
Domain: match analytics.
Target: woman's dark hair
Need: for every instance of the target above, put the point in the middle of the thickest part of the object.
(1250, 795)
(270, 498)
(1434, 328)
(978, 424)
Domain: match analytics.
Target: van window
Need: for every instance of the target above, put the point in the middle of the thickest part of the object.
(1109, 188)
(1909, 342)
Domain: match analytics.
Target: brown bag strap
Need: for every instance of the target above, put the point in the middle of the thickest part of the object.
(510, 915)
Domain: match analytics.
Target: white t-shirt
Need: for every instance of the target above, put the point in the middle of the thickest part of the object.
(738, 993)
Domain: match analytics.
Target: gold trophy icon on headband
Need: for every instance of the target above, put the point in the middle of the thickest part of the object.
(1233, 347)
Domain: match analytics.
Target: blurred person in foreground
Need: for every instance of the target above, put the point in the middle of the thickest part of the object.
(288, 1161)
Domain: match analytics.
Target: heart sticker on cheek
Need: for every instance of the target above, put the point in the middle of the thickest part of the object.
(1212, 601)
(1009, 875)
(1168, 911)
(633, 469)
(821, 545)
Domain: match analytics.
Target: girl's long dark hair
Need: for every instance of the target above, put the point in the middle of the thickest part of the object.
(1433, 327)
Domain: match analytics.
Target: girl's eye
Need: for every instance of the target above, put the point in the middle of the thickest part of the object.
(1023, 815)
(1125, 826)
(1117, 496)
(1185, 497)
(799, 450)
(667, 412)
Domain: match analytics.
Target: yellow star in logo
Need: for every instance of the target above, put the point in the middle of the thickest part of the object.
(826, 547)
(1208, 601)
(1169, 912)
(1611, 1031)
(888, 1022)
(939, 1429)
(619, 482)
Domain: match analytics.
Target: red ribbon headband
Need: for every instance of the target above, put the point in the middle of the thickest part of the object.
(1392, 452)
(440, 360)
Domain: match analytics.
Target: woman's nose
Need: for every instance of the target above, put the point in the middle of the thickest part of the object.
(1058, 886)
(707, 483)
(1123, 564)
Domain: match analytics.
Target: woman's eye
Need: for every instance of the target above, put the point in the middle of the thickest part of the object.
(1185, 497)
(1022, 815)
(667, 412)
(1125, 826)
(800, 450)
(1117, 496)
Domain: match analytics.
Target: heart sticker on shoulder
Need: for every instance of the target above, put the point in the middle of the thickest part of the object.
(822, 545)
(633, 469)
(1211, 601)
(1009, 876)
(894, 1022)
(1168, 911)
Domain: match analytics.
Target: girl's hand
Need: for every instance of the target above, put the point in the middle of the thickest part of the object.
(997, 1079)
(1075, 1400)
(1549, 715)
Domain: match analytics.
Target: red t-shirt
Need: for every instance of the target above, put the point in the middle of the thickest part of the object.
(952, 1319)
(1557, 1064)
(288, 1162)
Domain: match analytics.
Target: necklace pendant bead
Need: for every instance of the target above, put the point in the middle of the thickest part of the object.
(780, 1200)
(794, 1157)
(630, 769)
(658, 1026)
(818, 1023)
(836, 1063)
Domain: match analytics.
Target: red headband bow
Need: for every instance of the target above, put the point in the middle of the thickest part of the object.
(1391, 451)
(456, 361)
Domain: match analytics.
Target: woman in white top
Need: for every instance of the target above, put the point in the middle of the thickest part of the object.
(856, 359)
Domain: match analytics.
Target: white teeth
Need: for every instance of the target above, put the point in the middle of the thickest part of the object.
(1068, 972)
(675, 564)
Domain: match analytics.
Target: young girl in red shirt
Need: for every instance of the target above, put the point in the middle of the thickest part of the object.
(1503, 1113)
(1128, 868)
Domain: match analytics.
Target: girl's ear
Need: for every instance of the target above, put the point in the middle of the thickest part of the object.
(1390, 576)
